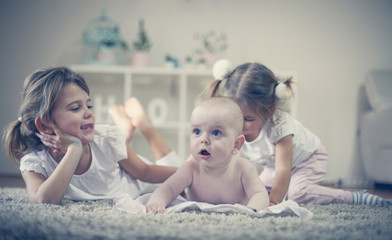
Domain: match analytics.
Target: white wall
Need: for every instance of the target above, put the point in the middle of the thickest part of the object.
(332, 45)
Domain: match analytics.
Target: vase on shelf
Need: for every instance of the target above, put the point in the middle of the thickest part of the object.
(140, 59)
(210, 59)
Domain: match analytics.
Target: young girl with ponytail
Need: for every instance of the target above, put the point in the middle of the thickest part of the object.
(293, 158)
(62, 154)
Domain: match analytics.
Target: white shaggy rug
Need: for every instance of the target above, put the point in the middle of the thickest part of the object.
(100, 220)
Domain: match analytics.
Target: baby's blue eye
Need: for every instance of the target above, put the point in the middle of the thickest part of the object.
(216, 133)
(196, 131)
(90, 107)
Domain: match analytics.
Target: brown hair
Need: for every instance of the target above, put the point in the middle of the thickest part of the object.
(40, 93)
(252, 85)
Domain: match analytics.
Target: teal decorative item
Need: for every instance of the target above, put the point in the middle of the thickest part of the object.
(102, 42)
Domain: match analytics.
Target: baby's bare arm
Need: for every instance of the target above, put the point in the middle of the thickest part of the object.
(254, 188)
(171, 188)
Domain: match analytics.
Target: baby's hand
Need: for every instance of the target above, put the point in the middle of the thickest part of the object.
(155, 208)
(58, 141)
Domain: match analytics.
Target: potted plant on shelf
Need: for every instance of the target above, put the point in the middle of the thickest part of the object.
(213, 45)
(142, 47)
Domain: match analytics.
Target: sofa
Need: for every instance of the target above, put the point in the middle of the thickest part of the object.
(376, 127)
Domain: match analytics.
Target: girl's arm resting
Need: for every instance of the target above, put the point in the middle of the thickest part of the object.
(170, 189)
(52, 189)
(138, 169)
(283, 165)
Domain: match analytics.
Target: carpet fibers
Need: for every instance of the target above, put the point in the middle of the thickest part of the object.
(99, 220)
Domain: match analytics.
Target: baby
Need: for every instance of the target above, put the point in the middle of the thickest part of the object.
(215, 174)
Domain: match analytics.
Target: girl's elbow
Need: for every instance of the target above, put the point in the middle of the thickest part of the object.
(138, 173)
(143, 174)
(41, 199)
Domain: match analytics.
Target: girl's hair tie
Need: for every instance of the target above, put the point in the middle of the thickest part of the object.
(221, 69)
(20, 119)
(280, 90)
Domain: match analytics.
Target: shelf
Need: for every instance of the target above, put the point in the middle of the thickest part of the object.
(167, 95)
(141, 70)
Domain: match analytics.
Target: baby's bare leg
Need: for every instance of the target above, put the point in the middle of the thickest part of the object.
(122, 121)
(140, 120)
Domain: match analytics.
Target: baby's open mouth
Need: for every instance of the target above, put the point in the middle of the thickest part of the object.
(204, 152)
(87, 126)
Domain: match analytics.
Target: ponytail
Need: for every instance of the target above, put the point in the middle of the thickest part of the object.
(220, 71)
(14, 145)
(211, 90)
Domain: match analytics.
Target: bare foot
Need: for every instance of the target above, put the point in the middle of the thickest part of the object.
(135, 111)
(122, 121)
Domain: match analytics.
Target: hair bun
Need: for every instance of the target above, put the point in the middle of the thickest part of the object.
(221, 69)
(280, 90)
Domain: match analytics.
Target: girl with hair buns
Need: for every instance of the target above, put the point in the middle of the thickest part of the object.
(293, 158)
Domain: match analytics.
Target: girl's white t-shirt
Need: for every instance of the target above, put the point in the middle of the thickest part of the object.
(104, 179)
(262, 149)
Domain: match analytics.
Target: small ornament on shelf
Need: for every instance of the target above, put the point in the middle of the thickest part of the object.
(102, 43)
(171, 62)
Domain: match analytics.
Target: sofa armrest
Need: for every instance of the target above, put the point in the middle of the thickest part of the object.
(376, 144)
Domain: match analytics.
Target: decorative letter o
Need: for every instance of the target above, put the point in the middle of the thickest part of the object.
(157, 110)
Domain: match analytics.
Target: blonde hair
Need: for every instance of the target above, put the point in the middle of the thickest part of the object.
(228, 106)
(40, 93)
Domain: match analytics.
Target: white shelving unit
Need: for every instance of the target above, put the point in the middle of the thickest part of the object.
(168, 96)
